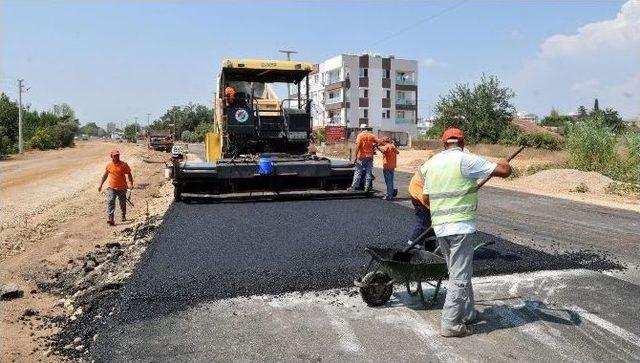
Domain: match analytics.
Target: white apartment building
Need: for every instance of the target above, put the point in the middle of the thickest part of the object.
(378, 91)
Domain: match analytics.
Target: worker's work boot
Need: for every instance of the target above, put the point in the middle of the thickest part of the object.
(463, 332)
(124, 218)
(111, 222)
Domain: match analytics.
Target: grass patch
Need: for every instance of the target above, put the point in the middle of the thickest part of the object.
(623, 189)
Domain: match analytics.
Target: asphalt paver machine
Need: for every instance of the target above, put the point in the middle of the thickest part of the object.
(259, 147)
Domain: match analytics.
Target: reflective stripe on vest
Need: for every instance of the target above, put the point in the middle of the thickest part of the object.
(452, 197)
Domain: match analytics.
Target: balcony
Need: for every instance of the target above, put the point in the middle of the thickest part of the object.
(405, 81)
(333, 100)
(404, 121)
(405, 102)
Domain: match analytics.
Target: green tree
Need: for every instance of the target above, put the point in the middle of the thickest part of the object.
(111, 127)
(555, 119)
(582, 112)
(92, 129)
(596, 105)
(484, 110)
(186, 117)
(131, 131)
(202, 129)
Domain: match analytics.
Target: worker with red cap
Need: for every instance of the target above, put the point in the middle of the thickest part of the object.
(389, 161)
(451, 190)
(116, 171)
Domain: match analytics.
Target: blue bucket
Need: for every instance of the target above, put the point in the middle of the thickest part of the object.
(265, 166)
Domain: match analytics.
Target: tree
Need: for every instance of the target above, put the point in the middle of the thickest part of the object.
(183, 118)
(582, 112)
(483, 111)
(596, 106)
(612, 119)
(63, 111)
(555, 119)
(111, 127)
(131, 131)
(91, 129)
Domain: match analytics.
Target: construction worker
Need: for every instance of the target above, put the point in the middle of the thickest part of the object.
(365, 142)
(229, 95)
(389, 155)
(116, 171)
(421, 210)
(452, 192)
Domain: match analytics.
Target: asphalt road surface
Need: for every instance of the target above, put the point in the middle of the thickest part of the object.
(223, 282)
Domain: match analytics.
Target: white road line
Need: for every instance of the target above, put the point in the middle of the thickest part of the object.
(348, 340)
(607, 325)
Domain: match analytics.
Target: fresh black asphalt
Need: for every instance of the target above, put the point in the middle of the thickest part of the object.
(205, 252)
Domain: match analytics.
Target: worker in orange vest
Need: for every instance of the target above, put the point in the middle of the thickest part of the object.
(421, 210)
(229, 95)
(389, 157)
(365, 142)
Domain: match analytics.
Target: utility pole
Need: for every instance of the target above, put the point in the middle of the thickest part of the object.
(20, 141)
(288, 53)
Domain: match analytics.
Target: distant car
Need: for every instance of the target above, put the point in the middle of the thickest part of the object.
(177, 152)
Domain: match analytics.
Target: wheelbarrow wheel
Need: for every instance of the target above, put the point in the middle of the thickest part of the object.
(375, 289)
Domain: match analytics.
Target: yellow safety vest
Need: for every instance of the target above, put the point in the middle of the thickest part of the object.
(452, 197)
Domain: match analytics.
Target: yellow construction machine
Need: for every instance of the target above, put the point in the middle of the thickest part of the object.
(260, 144)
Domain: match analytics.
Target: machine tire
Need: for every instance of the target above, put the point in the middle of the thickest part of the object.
(373, 292)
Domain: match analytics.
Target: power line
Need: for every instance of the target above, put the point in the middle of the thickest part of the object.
(431, 17)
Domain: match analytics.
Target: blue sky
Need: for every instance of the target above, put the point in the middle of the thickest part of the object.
(116, 60)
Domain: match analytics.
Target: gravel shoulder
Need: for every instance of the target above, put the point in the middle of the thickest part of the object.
(53, 222)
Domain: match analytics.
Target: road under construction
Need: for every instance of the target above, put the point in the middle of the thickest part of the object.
(268, 281)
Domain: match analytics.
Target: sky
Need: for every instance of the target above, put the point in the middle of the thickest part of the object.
(117, 61)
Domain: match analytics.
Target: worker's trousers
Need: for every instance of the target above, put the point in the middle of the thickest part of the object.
(388, 181)
(363, 165)
(423, 222)
(458, 304)
(111, 205)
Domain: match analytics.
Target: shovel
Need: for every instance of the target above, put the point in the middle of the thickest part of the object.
(424, 234)
(129, 197)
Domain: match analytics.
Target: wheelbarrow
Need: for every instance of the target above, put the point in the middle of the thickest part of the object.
(395, 266)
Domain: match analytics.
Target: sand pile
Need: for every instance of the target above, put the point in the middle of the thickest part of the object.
(566, 180)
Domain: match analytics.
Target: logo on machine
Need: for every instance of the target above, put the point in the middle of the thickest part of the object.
(241, 115)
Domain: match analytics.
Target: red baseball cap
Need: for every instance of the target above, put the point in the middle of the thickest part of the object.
(452, 133)
(114, 152)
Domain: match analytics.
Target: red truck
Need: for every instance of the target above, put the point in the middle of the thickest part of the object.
(160, 140)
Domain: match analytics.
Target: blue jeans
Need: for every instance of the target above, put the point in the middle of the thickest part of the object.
(388, 180)
(111, 205)
(363, 165)
(423, 222)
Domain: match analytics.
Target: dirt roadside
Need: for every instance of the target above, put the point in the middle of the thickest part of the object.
(54, 226)
(559, 183)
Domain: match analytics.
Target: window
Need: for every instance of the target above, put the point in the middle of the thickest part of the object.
(399, 114)
(388, 113)
(364, 72)
(316, 78)
(366, 93)
(387, 73)
(388, 94)
(384, 114)
(366, 113)
(400, 95)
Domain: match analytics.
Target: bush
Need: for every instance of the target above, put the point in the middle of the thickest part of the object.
(202, 129)
(319, 136)
(44, 138)
(541, 141)
(590, 145)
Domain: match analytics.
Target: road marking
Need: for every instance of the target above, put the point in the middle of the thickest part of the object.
(348, 340)
(426, 333)
(607, 325)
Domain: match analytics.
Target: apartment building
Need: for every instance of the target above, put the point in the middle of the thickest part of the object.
(350, 90)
